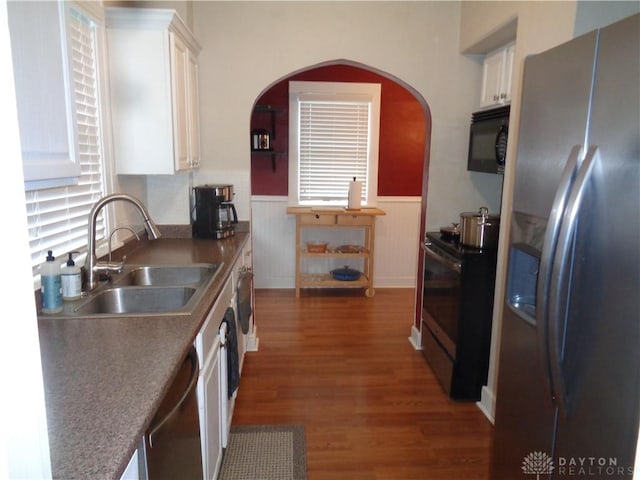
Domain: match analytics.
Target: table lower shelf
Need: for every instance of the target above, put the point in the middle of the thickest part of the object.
(326, 280)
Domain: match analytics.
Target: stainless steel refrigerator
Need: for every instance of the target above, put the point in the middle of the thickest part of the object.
(568, 389)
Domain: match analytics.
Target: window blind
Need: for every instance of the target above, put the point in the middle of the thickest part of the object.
(333, 148)
(57, 217)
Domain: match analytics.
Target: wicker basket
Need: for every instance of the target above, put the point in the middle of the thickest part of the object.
(317, 247)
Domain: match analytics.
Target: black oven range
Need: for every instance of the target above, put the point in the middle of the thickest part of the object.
(457, 307)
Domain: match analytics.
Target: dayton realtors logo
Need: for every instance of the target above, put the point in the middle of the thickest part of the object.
(540, 463)
(537, 463)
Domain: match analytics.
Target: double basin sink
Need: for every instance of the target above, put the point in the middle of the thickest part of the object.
(149, 290)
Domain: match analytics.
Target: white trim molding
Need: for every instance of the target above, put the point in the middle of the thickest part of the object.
(396, 252)
(415, 338)
(487, 403)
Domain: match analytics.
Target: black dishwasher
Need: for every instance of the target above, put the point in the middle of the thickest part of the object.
(172, 442)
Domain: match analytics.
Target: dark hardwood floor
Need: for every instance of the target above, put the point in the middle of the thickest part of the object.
(341, 365)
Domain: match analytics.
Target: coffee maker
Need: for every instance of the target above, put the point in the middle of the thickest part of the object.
(213, 214)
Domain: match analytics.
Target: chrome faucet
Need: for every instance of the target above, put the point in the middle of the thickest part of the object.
(92, 266)
(111, 238)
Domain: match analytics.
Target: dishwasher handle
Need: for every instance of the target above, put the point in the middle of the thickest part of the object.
(192, 358)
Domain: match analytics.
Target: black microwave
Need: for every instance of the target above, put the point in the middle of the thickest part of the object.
(488, 140)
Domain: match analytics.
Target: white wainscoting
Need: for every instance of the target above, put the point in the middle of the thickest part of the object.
(396, 249)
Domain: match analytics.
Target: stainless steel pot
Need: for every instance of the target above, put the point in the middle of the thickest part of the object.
(479, 229)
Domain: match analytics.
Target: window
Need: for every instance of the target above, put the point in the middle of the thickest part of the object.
(333, 135)
(57, 217)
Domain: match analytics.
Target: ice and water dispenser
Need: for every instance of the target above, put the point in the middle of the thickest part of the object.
(524, 264)
(527, 238)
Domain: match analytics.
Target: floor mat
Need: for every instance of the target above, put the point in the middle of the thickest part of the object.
(265, 452)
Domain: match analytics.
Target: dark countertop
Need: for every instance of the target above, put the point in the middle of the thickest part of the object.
(105, 377)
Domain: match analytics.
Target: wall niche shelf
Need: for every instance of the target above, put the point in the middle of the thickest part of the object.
(269, 110)
(262, 138)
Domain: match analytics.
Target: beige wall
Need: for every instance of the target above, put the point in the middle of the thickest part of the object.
(539, 26)
(247, 46)
(593, 14)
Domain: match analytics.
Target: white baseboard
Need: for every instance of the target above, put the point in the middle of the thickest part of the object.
(487, 404)
(395, 282)
(273, 281)
(415, 338)
(273, 234)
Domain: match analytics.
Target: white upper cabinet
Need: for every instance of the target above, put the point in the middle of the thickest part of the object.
(44, 94)
(194, 112)
(154, 91)
(497, 73)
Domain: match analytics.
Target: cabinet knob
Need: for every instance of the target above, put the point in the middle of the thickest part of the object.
(503, 95)
(496, 98)
(317, 216)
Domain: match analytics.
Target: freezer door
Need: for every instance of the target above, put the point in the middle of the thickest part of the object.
(525, 414)
(553, 118)
(602, 348)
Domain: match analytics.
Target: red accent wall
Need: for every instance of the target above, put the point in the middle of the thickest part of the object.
(403, 130)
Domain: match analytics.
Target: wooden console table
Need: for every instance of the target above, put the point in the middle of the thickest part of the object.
(338, 217)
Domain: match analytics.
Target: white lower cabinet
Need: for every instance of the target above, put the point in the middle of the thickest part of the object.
(210, 387)
(137, 467)
(215, 408)
(242, 264)
(132, 472)
(210, 424)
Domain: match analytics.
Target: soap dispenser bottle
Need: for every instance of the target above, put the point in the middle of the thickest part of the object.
(71, 280)
(51, 285)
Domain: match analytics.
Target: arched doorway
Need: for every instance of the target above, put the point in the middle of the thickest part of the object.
(405, 136)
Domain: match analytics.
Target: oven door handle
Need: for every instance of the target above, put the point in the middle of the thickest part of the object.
(453, 265)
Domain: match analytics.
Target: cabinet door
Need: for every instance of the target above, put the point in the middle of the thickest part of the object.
(179, 77)
(140, 68)
(210, 422)
(152, 88)
(492, 73)
(134, 470)
(507, 74)
(194, 111)
(44, 98)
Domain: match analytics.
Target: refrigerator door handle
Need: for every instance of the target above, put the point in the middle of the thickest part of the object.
(546, 261)
(559, 291)
(192, 357)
